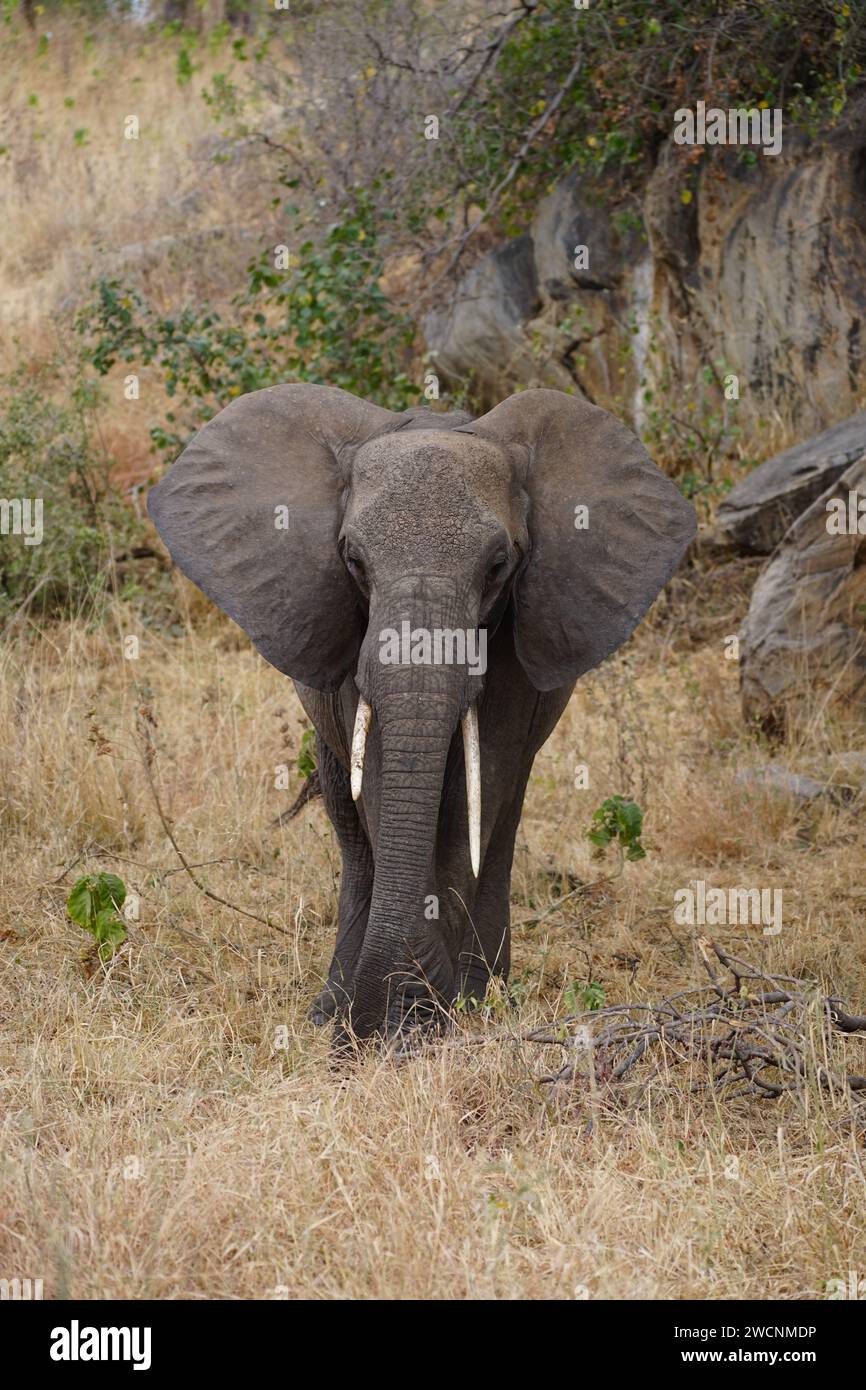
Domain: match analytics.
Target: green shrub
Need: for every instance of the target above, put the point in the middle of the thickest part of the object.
(49, 455)
(324, 319)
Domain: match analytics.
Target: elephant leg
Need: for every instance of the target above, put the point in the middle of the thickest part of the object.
(486, 946)
(356, 884)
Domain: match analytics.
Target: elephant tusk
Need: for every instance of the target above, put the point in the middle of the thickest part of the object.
(472, 759)
(359, 742)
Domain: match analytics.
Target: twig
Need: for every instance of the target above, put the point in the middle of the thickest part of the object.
(554, 907)
(753, 1044)
(147, 756)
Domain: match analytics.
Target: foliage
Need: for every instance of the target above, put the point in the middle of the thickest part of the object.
(585, 997)
(694, 435)
(307, 757)
(523, 95)
(94, 904)
(324, 319)
(640, 61)
(49, 454)
(621, 821)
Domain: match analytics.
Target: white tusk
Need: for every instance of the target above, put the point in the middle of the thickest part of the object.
(472, 759)
(359, 742)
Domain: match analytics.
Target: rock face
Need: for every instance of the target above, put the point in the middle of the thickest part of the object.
(531, 313)
(761, 273)
(756, 514)
(481, 333)
(805, 632)
(755, 268)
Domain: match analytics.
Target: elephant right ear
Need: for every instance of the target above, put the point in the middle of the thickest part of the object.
(251, 512)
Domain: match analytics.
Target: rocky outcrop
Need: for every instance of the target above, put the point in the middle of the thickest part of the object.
(757, 513)
(480, 334)
(752, 270)
(760, 273)
(548, 308)
(805, 632)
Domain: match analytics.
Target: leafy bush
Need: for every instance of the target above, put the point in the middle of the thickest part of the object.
(324, 319)
(523, 94)
(598, 87)
(48, 453)
(619, 821)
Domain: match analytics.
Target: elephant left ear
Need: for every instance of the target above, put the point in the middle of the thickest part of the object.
(251, 512)
(607, 530)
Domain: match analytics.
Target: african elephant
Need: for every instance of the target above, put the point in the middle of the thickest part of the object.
(369, 555)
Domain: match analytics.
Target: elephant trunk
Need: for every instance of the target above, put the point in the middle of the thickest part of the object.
(405, 971)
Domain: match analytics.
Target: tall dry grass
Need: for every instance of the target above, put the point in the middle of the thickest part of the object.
(171, 1126)
(80, 199)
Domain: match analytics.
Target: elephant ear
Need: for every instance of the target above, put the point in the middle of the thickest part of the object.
(251, 513)
(591, 574)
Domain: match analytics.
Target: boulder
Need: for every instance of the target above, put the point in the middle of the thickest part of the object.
(480, 334)
(526, 315)
(748, 269)
(577, 213)
(757, 513)
(804, 636)
(774, 777)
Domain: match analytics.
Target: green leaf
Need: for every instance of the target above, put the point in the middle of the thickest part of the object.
(94, 904)
(307, 755)
(618, 819)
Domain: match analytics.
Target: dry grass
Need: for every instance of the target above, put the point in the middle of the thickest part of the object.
(158, 1139)
(76, 209)
(161, 1136)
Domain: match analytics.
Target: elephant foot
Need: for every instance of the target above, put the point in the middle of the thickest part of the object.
(322, 1009)
(326, 1003)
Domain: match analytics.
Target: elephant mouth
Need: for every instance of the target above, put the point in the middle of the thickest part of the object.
(471, 758)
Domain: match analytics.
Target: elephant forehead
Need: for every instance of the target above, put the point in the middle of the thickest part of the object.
(430, 481)
(450, 462)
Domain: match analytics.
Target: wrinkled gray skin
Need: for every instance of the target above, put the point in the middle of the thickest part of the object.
(447, 523)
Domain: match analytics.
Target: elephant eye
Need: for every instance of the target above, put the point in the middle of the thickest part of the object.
(496, 566)
(355, 563)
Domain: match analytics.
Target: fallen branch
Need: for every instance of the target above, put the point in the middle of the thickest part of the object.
(755, 1034)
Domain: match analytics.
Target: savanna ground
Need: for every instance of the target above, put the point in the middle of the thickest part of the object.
(171, 1126)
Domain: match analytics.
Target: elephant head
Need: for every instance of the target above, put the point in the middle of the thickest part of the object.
(324, 525)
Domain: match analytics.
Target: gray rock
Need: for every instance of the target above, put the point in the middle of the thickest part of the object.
(774, 777)
(578, 214)
(759, 274)
(805, 632)
(759, 510)
(851, 765)
(480, 333)
(184, 249)
(524, 315)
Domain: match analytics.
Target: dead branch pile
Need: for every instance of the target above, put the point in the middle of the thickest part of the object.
(753, 1034)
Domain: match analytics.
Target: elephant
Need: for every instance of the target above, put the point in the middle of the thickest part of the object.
(434, 585)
